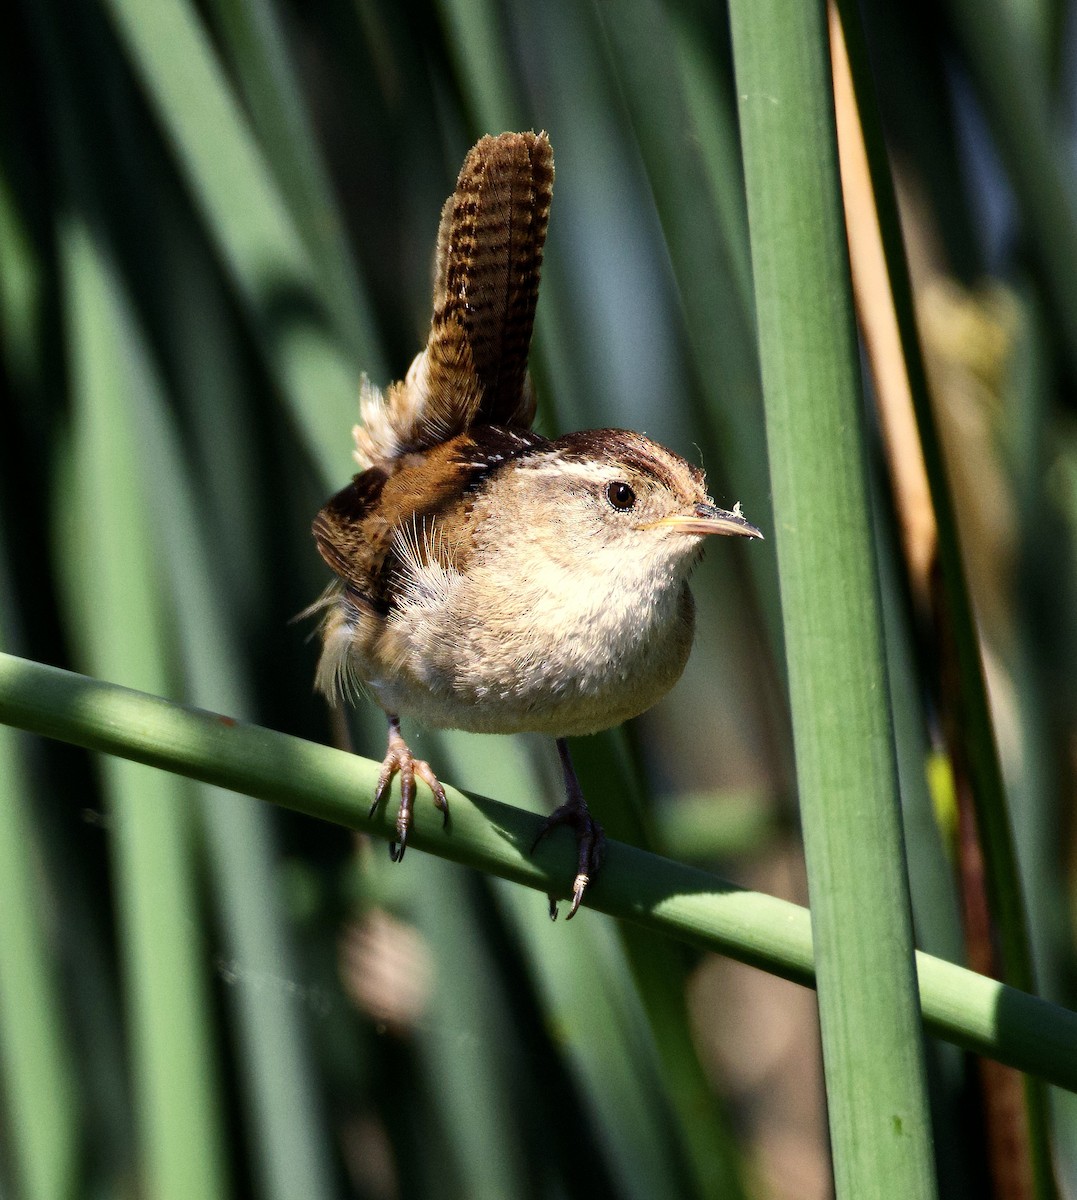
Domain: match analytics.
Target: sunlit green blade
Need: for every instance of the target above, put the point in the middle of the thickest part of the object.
(476, 38)
(880, 1131)
(977, 1013)
(598, 1023)
(112, 587)
(466, 1045)
(311, 340)
(38, 1095)
(709, 826)
(286, 1127)
(630, 1023)
(255, 43)
(36, 1078)
(659, 976)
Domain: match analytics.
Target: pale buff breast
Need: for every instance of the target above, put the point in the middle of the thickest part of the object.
(556, 654)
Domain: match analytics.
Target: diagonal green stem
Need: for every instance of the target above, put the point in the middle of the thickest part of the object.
(694, 906)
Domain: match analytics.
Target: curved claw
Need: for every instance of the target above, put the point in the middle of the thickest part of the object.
(400, 761)
(385, 780)
(590, 844)
(578, 887)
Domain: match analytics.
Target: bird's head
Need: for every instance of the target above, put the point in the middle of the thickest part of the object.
(611, 500)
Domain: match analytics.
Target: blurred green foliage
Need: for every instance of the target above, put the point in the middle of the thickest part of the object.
(213, 218)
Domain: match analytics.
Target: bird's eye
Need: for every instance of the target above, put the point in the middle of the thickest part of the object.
(621, 496)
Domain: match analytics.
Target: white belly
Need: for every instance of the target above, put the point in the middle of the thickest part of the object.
(571, 658)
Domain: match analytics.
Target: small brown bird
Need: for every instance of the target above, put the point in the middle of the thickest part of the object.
(490, 579)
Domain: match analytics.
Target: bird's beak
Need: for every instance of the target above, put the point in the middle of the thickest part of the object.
(706, 518)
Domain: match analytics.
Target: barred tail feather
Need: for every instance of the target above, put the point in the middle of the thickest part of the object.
(486, 279)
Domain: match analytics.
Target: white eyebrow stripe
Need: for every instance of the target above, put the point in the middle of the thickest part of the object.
(566, 468)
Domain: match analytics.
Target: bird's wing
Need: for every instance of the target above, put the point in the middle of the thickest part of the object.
(417, 506)
(486, 279)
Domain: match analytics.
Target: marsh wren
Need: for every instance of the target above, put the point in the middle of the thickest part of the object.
(491, 579)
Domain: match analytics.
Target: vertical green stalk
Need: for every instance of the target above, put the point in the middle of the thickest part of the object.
(112, 575)
(256, 46)
(308, 336)
(38, 1095)
(845, 754)
(36, 1084)
(282, 1111)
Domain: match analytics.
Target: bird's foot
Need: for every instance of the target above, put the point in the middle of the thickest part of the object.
(590, 846)
(399, 760)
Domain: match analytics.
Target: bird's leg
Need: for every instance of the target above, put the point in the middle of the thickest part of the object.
(400, 760)
(590, 839)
